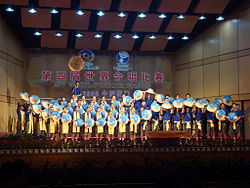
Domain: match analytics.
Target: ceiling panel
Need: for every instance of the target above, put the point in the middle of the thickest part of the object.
(111, 22)
(185, 25)
(95, 4)
(211, 6)
(177, 6)
(124, 43)
(42, 19)
(88, 41)
(15, 2)
(157, 44)
(70, 20)
(135, 5)
(55, 3)
(49, 40)
(151, 23)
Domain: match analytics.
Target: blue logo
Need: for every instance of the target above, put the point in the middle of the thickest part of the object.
(122, 64)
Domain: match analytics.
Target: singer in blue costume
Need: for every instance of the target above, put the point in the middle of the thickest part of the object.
(76, 90)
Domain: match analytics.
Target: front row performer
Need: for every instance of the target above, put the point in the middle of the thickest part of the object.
(129, 118)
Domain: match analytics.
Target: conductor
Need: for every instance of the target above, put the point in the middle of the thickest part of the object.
(76, 90)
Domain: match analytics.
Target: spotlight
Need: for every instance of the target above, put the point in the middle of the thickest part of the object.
(32, 11)
(185, 37)
(202, 17)
(121, 14)
(9, 9)
(135, 36)
(37, 33)
(162, 16)
(54, 11)
(79, 12)
(59, 34)
(117, 36)
(97, 35)
(100, 13)
(142, 15)
(220, 18)
(78, 35)
(181, 16)
(170, 37)
(152, 37)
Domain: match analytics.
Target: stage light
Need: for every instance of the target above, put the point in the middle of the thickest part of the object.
(100, 13)
(162, 16)
(59, 34)
(117, 36)
(220, 18)
(54, 11)
(170, 37)
(32, 11)
(142, 15)
(97, 35)
(185, 37)
(202, 17)
(135, 36)
(37, 33)
(121, 14)
(181, 16)
(80, 12)
(152, 37)
(78, 35)
(9, 9)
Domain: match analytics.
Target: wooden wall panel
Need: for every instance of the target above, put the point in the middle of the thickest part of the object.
(244, 74)
(229, 77)
(228, 36)
(244, 29)
(195, 51)
(3, 80)
(211, 42)
(196, 81)
(181, 81)
(211, 80)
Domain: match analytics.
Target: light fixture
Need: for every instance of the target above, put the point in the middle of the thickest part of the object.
(117, 36)
(32, 11)
(170, 37)
(185, 37)
(54, 11)
(220, 18)
(100, 13)
(78, 35)
(59, 34)
(135, 36)
(162, 16)
(202, 17)
(37, 33)
(80, 12)
(98, 35)
(152, 37)
(180, 16)
(121, 14)
(9, 9)
(142, 15)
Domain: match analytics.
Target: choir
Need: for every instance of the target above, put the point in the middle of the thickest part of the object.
(129, 118)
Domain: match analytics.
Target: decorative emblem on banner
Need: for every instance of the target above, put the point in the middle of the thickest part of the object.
(88, 57)
(122, 64)
(75, 64)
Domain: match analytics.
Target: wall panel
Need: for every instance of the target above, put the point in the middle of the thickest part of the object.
(181, 78)
(211, 77)
(244, 74)
(196, 81)
(228, 36)
(244, 29)
(229, 77)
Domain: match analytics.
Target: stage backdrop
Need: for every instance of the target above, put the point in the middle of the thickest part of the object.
(110, 73)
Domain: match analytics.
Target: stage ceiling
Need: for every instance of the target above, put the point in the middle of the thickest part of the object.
(66, 21)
